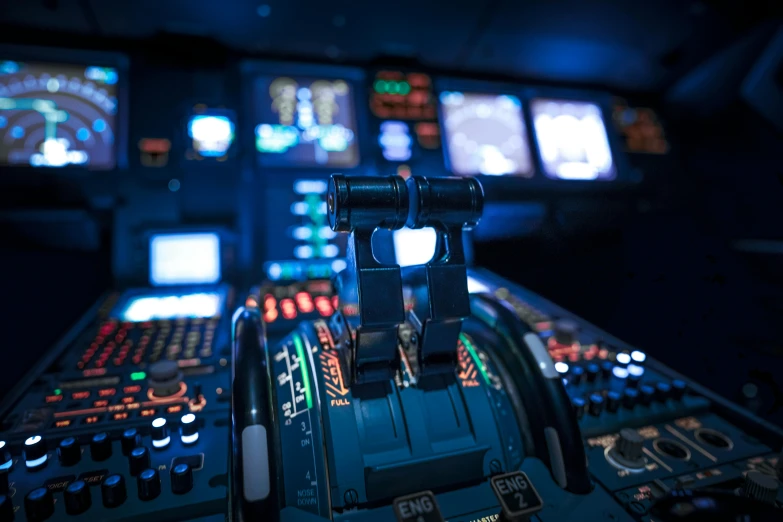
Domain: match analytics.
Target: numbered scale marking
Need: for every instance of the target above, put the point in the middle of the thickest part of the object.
(300, 434)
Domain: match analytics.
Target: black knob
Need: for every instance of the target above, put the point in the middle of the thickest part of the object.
(678, 389)
(565, 332)
(6, 462)
(165, 378)
(181, 479)
(39, 504)
(634, 379)
(663, 390)
(130, 439)
(596, 405)
(630, 396)
(77, 497)
(646, 394)
(35, 452)
(188, 429)
(593, 371)
(760, 486)
(627, 449)
(69, 451)
(613, 401)
(606, 369)
(100, 447)
(577, 375)
(149, 484)
(113, 491)
(6, 509)
(139, 460)
(160, 433)
(578, 404)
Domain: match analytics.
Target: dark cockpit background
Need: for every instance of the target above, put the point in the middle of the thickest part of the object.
(680, 254)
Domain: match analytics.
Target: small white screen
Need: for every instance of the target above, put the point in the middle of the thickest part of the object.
(177, 259)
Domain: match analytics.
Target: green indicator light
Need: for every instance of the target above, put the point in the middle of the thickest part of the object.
(138, 376)
(58, 391)
(380, 86)
(394, 88)
(472, 351)
(404, 88)
(303, 366)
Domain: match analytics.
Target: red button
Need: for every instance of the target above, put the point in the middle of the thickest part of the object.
(80, 395)
(128, 400)
(131, 389)
(53, 398)
(101, 403)
(107, 392)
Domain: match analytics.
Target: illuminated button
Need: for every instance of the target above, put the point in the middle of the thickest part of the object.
(596, 405)
(149, 484)
(100, 403)
(174, 409)
(663, 391)
(113, 491)
(77, 497)
(69, 451)
(561, 368)
(160, 433)
(6, 462)
(107, 392)
(147, 412)
(623, 359)
(35, 452)
(129, 440)
(100, 447)
(80, 395)
(630, 396)
(646, 394)
(50, 399)
(129, 390)
(678, 389)
(92, 419)
(181, 479)
(592, 370)
(138, 460)
(39, 504)
(635, 374)
(638, 357)
(578, 405)
(620, 374)
(577, 375)
(613, 400)
(120, 416)
(188, 429)
(128, 400)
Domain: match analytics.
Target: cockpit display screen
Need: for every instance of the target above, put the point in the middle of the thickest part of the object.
(305, 122)
(57, 115)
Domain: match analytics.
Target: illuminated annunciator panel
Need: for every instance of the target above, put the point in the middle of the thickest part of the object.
(57, 115)
(305, 122)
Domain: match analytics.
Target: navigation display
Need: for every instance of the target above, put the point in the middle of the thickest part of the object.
(57, 115)
(485, 134)
(305, 122)
(572, 140)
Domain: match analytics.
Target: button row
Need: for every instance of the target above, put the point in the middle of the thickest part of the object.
(611, 400)
(125, 412)
(39, 503)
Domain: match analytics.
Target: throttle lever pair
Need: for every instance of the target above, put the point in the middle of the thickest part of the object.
(360, 205)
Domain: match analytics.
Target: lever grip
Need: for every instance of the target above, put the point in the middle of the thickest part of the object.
(361, 202)
(253, 432)
(450, 202)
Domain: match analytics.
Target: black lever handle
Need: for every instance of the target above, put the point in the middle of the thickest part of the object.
(253, 425)
(448, 205)
(360, 205)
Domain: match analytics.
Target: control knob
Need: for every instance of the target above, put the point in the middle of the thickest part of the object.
(627, 449)
(6, 462)
(149, 484)
(165, 378)
(39, 504)
(181, 479)
(69, 451)
(100, 447)
(130, 439)
(113, 491)
(35, 452)
(760, 486)
(139, 460)
(6, 509)
(77, 497)
(565, 332)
